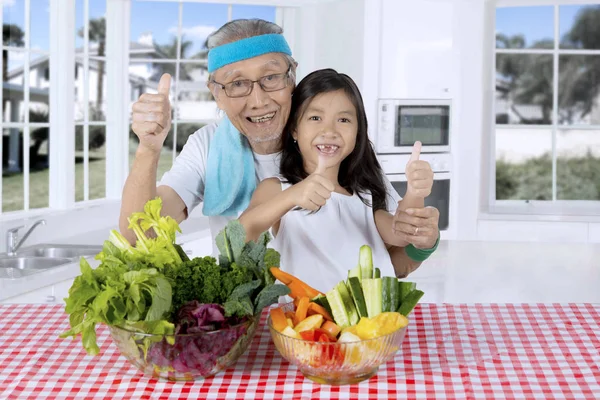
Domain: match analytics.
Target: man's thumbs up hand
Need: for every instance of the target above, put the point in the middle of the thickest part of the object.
(419, 175)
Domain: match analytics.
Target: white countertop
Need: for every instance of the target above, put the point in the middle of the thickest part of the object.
(459, 271)
(510, 272)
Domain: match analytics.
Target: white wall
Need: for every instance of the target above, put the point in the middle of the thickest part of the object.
(330, 35)
(319, 44)
(468, 148)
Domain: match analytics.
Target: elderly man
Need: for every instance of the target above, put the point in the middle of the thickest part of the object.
(252, 77)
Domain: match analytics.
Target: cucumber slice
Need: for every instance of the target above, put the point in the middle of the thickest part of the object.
(358, 297)
(342, 307)
(390, 298)
(338, 310)
(405, 289)
(410, 302)
(377, 273)
(322, 301)
(372, 290)
(348, 303)
(355, 272)
(365, 260)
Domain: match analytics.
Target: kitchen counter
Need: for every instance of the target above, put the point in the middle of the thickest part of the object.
(458, 272)
(511, 272)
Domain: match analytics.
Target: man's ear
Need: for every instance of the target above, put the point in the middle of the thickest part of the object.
(216, 92)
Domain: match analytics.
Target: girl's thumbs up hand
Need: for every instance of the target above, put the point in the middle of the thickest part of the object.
(313, 192)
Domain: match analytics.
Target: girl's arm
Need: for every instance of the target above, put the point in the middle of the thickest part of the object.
(403, 264)
(268, 205)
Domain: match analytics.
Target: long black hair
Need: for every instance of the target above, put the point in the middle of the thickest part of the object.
(360, 171)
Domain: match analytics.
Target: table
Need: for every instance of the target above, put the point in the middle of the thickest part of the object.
(450, 351)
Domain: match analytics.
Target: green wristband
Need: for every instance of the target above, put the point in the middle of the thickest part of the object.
(420, 254)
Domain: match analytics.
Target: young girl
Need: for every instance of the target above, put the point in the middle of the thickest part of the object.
(331, 195)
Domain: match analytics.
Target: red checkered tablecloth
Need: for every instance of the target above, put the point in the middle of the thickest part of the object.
(450, 352)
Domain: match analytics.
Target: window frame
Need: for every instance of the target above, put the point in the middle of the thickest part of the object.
(26, 125)
(62, 122)
(554, 206)
(281, 17)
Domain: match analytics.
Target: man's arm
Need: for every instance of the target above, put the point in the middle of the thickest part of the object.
(140, 187)
(151, 123)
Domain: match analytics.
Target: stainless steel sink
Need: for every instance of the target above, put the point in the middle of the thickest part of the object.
(61, 251)
(41, 257)
(19, 266)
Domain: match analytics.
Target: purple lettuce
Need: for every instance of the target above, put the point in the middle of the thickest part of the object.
(198, 352)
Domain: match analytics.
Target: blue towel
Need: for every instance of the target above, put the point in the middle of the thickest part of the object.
(230, 177)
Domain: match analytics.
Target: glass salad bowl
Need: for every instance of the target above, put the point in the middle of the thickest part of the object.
(337, 363)
(185, 357)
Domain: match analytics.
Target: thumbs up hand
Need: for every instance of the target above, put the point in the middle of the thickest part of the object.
(313, 192)
(151, 116)
(419, 175)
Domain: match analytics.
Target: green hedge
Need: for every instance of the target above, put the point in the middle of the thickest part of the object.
(577, 178)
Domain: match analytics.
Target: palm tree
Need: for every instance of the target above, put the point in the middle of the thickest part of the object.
(169, 51)
(97, 34)
(580, 76)
(12, 35)
(529, 76)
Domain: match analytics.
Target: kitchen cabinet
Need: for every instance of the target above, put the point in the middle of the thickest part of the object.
(51, 294)
(417, 54)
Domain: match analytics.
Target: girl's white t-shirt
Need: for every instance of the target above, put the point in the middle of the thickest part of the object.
(188, 173)
(320, 248)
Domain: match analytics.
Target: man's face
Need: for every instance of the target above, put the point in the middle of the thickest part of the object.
(260, 116)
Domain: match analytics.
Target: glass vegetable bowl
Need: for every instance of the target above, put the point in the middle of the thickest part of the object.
(185, 357)
(337, 363)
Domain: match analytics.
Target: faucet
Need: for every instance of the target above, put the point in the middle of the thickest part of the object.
(12, 237)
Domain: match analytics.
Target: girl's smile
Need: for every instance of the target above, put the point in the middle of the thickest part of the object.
(327, 128)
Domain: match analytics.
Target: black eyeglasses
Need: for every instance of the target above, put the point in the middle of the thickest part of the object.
(268, 83)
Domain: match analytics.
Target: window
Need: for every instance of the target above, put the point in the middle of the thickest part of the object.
(547, 103)
(174, 44)
(24, 182)
(90, 100)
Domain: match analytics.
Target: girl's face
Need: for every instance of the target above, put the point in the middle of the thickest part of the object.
(327, 128)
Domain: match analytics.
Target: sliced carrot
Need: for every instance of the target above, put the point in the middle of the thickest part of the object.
(302, 308)
(278, 319)
(301, 289)
(283, 277)
(332, 328)
(292, 315)
(296, 290)
(297, 287)
(314, 308)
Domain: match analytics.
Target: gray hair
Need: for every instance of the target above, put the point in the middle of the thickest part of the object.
(245, 28)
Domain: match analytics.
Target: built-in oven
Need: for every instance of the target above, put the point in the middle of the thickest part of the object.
(403, 122)
(394, 167)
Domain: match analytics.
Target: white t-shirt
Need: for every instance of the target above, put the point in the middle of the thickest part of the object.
(186, 176)
(320, 248)
(188, 173)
